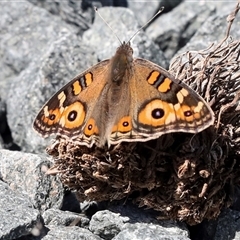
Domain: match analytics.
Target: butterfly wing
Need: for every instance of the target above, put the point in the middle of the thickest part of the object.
(70, 109)
(159, 104)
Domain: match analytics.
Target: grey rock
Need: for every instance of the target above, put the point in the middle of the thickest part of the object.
(135, 214)
(89, 208)
(124, 25)
(143, 231)
(71, 12)
(25, 34)
(26, 174)
(79, 14)
(3, 122)
(107, 224)
(138, 225)
(18, 216)
(212, 30)
(143, 10)
(67, 233)
(56, 217)
(173, 30)
(228, 227)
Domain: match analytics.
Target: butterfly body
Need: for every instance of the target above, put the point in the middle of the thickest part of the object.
(123, 100)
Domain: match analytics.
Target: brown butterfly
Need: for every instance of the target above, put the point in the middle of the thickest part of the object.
(123, 99)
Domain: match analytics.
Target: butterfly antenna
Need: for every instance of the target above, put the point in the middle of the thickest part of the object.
(137, 32)
(96, 10)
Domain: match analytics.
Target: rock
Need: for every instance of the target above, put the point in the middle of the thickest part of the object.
(75, 13)
(172, 30)
(228, 225)
(24, 41)
(18, 215)
(56, 217)
(213, 30)
(142, 231)
(131, 222)
(149, 10)
(73, 233)
(107, 224)
(26, 173)
(124, 25)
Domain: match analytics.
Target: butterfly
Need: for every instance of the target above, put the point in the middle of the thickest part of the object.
(123, 99)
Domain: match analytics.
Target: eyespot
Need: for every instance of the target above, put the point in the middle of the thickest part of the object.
(73, 116)
(91, 128)
(50, 117)
(123, 126)
(156, 113)
(187, 113)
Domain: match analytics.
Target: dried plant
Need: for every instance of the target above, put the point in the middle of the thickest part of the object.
(183, 176)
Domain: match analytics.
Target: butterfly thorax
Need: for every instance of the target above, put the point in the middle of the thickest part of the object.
(122, 63)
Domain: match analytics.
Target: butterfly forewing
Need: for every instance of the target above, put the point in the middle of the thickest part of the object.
(68, 111)
(159, 104)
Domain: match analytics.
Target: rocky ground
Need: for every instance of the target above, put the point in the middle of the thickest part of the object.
(42, 46)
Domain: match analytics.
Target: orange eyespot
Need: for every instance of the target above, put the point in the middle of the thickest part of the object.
(51, 117)
(155, 113)
(124, 125)
(91, 128)
(73, 116)
(187, 113)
